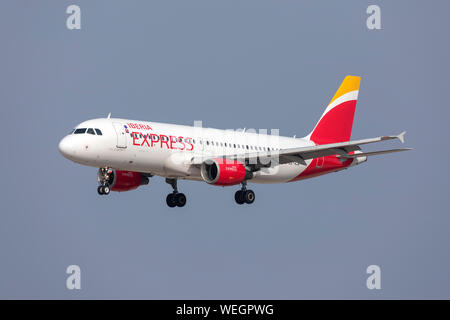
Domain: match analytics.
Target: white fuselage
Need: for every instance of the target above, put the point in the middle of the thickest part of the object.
(165, 149)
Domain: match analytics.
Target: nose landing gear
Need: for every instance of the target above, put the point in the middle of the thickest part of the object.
(244, 196)
(175, 199)
(105, 175)
(103, 190)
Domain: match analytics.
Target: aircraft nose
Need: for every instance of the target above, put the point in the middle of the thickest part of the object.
(65, 147)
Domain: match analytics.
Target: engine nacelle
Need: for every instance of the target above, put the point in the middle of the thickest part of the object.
(224, 172)
(120, 181)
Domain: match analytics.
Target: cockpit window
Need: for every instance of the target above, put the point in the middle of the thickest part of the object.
(71, 131)
(90, 131)
(80, 130)
(99, 133)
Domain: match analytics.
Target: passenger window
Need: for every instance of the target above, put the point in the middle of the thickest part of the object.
(99, 133)
(80, 130)
(90, 131)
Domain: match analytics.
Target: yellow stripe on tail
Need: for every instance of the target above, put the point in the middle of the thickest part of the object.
(350, 83)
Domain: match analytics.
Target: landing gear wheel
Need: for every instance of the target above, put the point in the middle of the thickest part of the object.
(170, 200)
(239, 197)
(180, 199)
(249, 196)
(175, 199)
(103, 190)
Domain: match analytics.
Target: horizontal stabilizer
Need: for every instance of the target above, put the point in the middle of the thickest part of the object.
(374, 153)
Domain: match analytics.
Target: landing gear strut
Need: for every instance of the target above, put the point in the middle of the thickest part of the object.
(175, 199)
(104, 177)
(244, 196)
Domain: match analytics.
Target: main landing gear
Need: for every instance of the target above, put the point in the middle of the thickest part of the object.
(104, 177)
(175, 199)
(244, 196)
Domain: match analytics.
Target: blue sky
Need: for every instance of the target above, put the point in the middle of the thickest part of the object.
(232, 64)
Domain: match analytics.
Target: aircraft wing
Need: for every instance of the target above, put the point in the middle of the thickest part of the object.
(301, 154)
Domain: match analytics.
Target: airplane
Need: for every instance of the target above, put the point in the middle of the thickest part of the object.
(129, 152)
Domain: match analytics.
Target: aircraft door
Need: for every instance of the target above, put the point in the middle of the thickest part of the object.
(121, 135)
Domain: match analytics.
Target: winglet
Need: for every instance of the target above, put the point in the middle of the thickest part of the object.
(401, 137)
(109, 115)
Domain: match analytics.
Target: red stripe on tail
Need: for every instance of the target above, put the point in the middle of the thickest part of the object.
(335, 125)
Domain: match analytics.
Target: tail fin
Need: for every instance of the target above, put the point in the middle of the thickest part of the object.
(336, 122)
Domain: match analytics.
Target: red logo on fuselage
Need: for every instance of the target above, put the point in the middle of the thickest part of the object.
(139, 126)
(145, 139)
